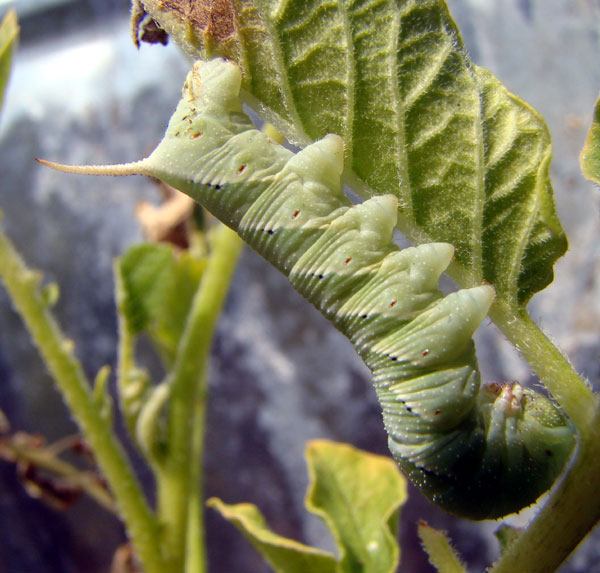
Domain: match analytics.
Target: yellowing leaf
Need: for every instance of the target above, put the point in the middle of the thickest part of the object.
(285, 555)
(357, 494)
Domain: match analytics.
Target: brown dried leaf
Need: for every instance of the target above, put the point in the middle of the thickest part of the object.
(168, 222)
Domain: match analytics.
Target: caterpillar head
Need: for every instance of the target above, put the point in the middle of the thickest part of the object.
(529, 422)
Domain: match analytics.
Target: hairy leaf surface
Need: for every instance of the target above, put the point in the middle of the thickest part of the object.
(441, 554)
(467, 160)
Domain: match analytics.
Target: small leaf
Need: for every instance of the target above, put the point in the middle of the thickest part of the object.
(590, 154)
(284, 555)
(158, 288)
(50, 294)
(102, 397)
(9, 31)
(506, 535)
(358, 495)
(441, 554)
(150, 431)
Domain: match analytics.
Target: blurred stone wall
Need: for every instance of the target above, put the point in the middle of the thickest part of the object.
(280, 375)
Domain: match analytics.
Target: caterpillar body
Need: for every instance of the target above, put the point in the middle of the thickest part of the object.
(476, 452)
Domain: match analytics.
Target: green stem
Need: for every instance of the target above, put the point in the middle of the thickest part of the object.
(195, 549)
(187, 378)
(22, 285)
(552, 366)
(568, 516)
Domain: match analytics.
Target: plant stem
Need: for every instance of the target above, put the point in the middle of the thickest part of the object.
(569, 515)
(22, 285)
(195, 549)
(552, 366)
(45, 458)
(132, 382)
(177, 483)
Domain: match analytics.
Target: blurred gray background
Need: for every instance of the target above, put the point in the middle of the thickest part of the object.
(280, 375)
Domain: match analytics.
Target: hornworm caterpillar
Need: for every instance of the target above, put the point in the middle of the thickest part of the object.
(476, 453)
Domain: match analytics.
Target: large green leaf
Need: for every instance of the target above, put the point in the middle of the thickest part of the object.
(467, 160)
(9, 33)
(358, 495)
(590, 154)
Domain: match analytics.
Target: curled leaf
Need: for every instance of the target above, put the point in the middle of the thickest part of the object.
(150, 427)
(284, 555)
(102, 397)
(358, 495)
(590, 154)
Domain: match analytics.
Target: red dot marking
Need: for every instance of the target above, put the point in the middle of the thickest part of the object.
(393, 303)
(241, 168)
(197, 135)
(438, 412)
(425, 352)
(296, 213)
(347, 260)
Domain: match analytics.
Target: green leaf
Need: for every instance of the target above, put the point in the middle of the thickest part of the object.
(155, 286)
(467, 160)
(522, 235)
(357, 495)
(285, 555)
(441, 554)
(9, 32)
(101, 394)
(590, 154)
(507, 535)
(158, 287)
